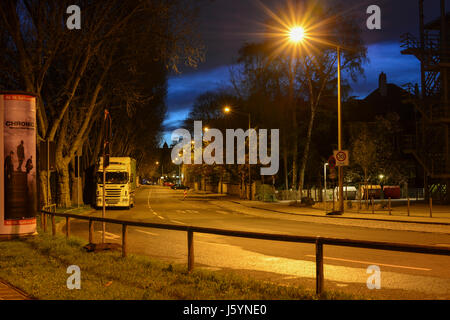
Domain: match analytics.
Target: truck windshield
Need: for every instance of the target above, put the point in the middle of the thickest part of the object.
(113, 177)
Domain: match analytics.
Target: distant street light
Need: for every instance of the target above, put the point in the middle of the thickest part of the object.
(227, 110)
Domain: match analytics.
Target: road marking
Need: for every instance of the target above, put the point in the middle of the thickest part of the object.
(151, 209)
(192, 211)
(109, 235)
(222, 212)
(372, 263)
(146, 232)
(178, 222)
(181, 211)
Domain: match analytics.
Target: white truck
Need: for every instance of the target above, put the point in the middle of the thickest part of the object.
(120, 182)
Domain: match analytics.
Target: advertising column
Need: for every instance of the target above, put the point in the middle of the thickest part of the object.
(18, 196)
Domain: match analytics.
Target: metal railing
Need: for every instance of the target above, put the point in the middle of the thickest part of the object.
(318, 241)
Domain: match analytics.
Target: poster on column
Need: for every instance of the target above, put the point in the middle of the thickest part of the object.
(19, 198)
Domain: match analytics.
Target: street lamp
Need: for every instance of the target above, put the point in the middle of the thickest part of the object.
(227, 110)
(297, 35)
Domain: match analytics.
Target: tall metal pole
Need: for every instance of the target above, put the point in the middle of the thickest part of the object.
(249, 171)
(104, 195)
(325, 182)
(48, 173)
(78, 182)
(341, 171)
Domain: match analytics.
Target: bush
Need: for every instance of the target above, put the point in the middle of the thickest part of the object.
(308, 201)
(265, 193)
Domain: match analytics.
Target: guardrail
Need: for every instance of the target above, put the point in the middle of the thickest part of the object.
(48, 208)
(318, 241)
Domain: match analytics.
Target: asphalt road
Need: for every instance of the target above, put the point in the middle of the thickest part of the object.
(403, 275)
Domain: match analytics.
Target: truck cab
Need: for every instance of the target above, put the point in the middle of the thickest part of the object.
(120, 186)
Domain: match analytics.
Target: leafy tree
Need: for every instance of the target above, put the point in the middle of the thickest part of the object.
(77, 73)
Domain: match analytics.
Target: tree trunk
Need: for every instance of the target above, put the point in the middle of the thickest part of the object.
(43, 186)
(63, 186)
(306, 152)
(286, 169)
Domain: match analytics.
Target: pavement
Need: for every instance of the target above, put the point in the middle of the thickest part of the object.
(404, 275)
(418, 212)
(8, 292)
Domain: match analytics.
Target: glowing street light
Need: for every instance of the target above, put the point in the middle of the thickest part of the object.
(297, 34)
(227, 110)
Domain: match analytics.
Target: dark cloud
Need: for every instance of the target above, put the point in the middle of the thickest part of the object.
(225, 25)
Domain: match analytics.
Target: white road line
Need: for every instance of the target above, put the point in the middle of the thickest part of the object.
(222, 212)
(191, 211)
(150, 207)
(181, 211)
(146, 232)
(178, 222)
(372, 263)
(109, 235)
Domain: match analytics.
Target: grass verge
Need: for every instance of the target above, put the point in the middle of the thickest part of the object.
(38, 266)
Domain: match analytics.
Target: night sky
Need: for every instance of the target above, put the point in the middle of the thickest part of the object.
(225, 25)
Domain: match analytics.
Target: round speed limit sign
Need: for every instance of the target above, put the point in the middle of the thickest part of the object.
(341, 156)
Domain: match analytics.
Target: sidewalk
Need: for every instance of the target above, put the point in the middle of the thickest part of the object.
(7, 292)
(419, 213)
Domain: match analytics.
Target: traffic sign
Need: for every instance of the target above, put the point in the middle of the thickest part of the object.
(332, 162)
(341, 157)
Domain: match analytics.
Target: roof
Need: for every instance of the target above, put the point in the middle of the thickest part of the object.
(436, 23)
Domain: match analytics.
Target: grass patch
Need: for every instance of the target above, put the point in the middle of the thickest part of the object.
(38, 266)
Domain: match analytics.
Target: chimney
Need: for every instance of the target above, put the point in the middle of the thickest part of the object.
(382, 84)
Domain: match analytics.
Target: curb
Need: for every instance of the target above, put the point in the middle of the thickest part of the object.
(10, 292)
(343, 217)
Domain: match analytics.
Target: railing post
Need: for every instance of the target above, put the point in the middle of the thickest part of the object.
(190, 251)
(124, 240)
(53, 225)
(431, 207)
(389, 205)
(67, 227)
(91, 231)
(319, 266)
(45, 222)
(408, 207)
(42, 219)
(373, 206)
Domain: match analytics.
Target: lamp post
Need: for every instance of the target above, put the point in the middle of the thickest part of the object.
(297, 35)
(227, 110)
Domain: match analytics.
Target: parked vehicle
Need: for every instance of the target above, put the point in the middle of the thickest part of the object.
(168, 184)
(180, 187)
(371, 191)
(393, 192)
(120, 187)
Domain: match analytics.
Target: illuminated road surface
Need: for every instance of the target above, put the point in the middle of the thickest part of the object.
(403, 275)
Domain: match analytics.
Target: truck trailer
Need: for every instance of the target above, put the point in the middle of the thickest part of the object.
(120, 184)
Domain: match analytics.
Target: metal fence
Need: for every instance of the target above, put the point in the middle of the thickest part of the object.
(318, 241)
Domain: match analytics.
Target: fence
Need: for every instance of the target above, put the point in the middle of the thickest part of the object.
(318, 241)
